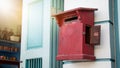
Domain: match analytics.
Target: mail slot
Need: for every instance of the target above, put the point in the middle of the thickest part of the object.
(75, 37)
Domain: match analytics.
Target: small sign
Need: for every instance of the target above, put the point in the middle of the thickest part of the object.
(95, 35)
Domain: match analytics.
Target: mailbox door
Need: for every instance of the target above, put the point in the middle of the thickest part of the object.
(95, 35)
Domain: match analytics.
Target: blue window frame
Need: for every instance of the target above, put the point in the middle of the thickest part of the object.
(117, 31)
(57, 6)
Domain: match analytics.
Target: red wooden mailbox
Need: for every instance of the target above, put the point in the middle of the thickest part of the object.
(75, 39)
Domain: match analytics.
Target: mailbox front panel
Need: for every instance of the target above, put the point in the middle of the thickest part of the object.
(70, 40)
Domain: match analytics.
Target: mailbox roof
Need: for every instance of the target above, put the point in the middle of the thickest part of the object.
(79, 9)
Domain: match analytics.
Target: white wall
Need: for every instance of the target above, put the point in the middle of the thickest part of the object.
(88, 65)
(101, 5)
(103, 50)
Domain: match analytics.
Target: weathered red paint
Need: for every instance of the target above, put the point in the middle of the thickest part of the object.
(73, 25)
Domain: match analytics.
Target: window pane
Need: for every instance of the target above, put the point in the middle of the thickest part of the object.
(35, 25)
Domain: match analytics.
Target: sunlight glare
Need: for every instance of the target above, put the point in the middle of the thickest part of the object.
(5, 5)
